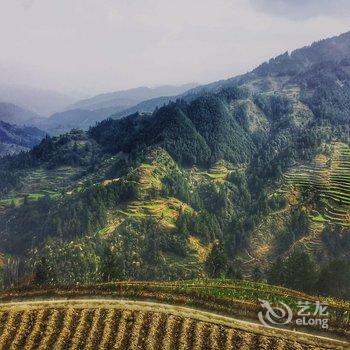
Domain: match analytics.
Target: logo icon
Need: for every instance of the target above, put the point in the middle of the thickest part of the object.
(279, 314)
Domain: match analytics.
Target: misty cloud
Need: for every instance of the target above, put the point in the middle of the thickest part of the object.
(27, 4)
(303, 9)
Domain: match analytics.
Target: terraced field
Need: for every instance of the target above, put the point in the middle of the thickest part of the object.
(41, 182)
(121, 324)
(165, 209)
(218, 172)
(330, 180)
(236, 299)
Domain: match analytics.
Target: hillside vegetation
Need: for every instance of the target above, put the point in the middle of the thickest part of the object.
(245, 178)
(329, 179)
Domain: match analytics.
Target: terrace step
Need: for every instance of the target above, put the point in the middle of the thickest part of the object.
(331, 181)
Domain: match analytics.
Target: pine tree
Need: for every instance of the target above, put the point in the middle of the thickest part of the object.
(216, 262)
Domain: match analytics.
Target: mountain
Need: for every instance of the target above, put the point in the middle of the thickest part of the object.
(11, 113)
(62, 122)
(128, 98)
(334, 49)
(86, 113)
(14, 139)
(269, 75)
(41, 101)
(247, 177)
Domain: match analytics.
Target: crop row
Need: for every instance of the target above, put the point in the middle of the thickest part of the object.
(104, 328)
(231, 300)
(332, 184)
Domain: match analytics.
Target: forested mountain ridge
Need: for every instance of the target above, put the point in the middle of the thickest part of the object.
(273, 74)
(200, 186)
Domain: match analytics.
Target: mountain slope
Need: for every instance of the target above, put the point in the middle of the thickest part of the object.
(11, 113)
(273, 74)
(14, 139)
(40, 101)
(198, 187)
(147, 106)
(186, 131)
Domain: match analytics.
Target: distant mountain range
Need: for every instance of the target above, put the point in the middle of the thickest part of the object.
(86, 113)
(334, 49)
(62, 122)
(14, 139)
(127, 98)
(14, 114)
(40, 101)
(16, 131)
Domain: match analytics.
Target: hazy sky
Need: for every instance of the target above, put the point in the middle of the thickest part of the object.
(92, 46)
